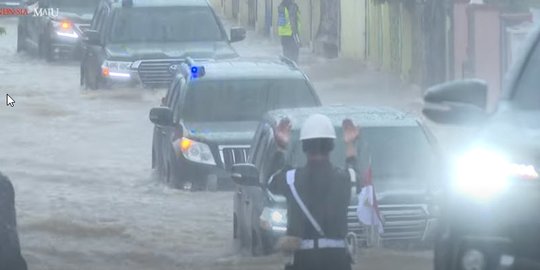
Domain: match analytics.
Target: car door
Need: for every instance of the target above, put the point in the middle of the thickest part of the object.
(255, 196)
(94, 54)
(241, 197)
(31, 28)
(160, 132)
(174, 132)
(157, 160)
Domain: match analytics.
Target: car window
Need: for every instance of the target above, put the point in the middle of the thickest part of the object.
(100, 20)
(176, 102)
(261, 147)
(244, 100)
(165, 24)
(173, 93)
(527, 93)
(392, 152)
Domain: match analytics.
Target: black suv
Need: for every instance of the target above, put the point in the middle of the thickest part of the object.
(144, 41)
(492, 215)
(210, 113)
(55, 29)
(404, 160)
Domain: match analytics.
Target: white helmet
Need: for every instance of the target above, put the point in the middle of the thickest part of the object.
(317, 126)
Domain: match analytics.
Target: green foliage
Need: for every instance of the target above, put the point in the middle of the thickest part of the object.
(2, 31)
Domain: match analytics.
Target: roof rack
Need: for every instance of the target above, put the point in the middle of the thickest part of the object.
(288, 61)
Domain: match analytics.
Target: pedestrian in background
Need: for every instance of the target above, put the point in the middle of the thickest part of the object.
(10, 250)
(288, 28)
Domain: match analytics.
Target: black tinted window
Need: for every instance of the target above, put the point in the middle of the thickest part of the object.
(395, 152)
(75, 4)
(165, 24)
(243, 100)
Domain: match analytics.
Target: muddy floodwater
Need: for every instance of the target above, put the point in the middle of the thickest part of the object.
(86, 196)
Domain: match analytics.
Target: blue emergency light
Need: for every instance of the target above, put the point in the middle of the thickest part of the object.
(197, 71)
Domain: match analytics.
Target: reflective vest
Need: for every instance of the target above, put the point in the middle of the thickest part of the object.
(284, 22)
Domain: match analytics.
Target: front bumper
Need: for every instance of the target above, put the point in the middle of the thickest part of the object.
(197, 174)
(66, 47)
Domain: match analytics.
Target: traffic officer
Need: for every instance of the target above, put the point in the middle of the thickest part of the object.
(318, 194)
(10, 251)
(288, 27)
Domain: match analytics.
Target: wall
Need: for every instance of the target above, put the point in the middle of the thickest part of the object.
(485, 44)
(353, 28)
(460, 39)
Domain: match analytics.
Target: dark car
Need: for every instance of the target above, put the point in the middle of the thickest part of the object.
(210, 114)
(492, 214)
(143, 42)
(10, 248)
(11, 4)
(404, 160)
(55, 29)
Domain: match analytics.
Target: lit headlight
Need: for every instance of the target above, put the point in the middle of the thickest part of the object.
(274, 216)
(194, 151)
(116, 69)
(64, 29)
(483, 172)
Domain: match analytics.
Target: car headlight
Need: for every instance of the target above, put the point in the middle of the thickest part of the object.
(116, 69)
(194, 151)
(484, 172)
(64, 28)
(274, 218)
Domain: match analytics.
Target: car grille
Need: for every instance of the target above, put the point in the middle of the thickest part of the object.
(82, 27)
(233, 154)
(399, 222)
(156, 73)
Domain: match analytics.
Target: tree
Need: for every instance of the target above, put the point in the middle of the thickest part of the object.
(2, 31)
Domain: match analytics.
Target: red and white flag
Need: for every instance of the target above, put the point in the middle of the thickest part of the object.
(368, 210)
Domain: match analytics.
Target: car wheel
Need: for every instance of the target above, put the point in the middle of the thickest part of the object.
(212, 184)
(237, 241)
(20, 39)
(256, 244)
(45, 49)
(92, 84)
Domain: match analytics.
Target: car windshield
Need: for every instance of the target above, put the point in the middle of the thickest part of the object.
(88, 5)
(393, 152)
(243, 100)
(165, 24)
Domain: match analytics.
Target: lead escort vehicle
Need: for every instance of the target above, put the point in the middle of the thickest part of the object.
(211, 111)
(401, 152)
(492, 211)
(142, 42)
(53, 28)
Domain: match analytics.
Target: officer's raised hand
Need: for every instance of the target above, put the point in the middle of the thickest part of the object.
(282, 133)
(350, 136)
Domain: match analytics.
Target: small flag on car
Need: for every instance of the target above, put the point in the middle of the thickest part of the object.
(368, 210)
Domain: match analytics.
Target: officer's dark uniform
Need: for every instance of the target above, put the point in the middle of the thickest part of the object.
(10, 252)
(326, 192)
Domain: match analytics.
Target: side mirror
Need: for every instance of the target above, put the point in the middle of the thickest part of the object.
(162, 116)
(245, 174)
(91, 37)
(457, 102)
(238, 34)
